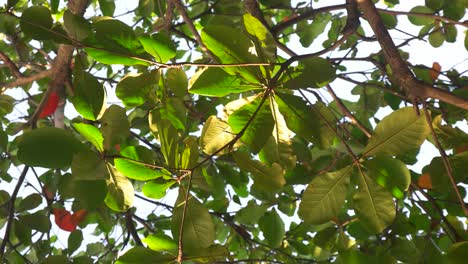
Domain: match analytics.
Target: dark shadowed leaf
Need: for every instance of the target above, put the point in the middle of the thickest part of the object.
(36, 21)
(134, 89)
(120, 191)
(48, 147)
(89, 96)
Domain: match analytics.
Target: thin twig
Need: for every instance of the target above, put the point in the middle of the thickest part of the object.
(180, 7)
(445, 159)
(11, 65)
(344, 110)
(11, 212)
(131, 228)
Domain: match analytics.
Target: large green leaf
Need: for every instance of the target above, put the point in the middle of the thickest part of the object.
(390, 173)
(89, 96)
(309, 32)
(114, 126)
(401, 131)
(421, 20)
(78, 27)
(265, 43)
(90, 194)
(92, 134)
(109, 54)
(161, 242)
(232, 46)
(159, 46)
(278, 148)
(138, 255)
(134, 89)
(457, 253)
(215, 135)
(88, 165)
(315, 72)
(137, 164)
(272, 227)
(167, 135)
(177, 81)
(156, 189)
(48, 147)
(373, 204)
(311, 122)
(324, 198)
(120, 191)
(267, 178)
(7, 104)
(198, 227)
(259, 121)
(36, 21)
(107, 7)
(216, 82)
(38, 221)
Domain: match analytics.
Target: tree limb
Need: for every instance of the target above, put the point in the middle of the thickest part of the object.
(416, 89)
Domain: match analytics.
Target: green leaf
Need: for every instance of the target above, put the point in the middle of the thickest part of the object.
(78, 27)
(74, 241)
(309, 32)
(107, 7)
(272, 227)
(36, 21)
(199, 230)
(48, 147)
(278, 148)
(450, 33)
(29, 202)
(88, 165)
(90, 194)
(250, 214)
(315, 72)
(134, 89)
(421, 20)
(91, 133)
(373, 205)
(455, 9)
(114, 126)
(57, 259)
(436, 38)
(324, 197)
(457, 253)
(109, 56)
(160, 242)
(390, 21)
(216, 82)
(156, 189)
(168, 136)
(401, 131)
(6, 104)
(138, 164)
(435, 4)
(232, 46)
(258, 117)
(138, 255)
(176, 80)
(269, 179)
(215, 135)
(159, 45)
(89, 96)
(36, 221)
(265, 43)
(390, 173)
(120, 191)
(309, 122)
(405, 250)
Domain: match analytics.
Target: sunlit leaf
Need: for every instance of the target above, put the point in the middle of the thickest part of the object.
(373, 204)
(216, 134)
(324, 197)
(120, 191)
(389, 173)
(91, 133)
(398, 132)
(198, 229)
(216, 82)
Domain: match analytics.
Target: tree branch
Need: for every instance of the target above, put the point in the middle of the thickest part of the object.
(344, 110)
(445, 159)
(11, 211)
(11, 65)
(403, 76)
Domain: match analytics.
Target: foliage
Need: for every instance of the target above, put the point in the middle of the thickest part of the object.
(195, 133)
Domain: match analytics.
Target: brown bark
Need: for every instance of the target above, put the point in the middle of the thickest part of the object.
(414, 88)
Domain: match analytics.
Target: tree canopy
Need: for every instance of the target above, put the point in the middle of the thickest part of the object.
(228, 131)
